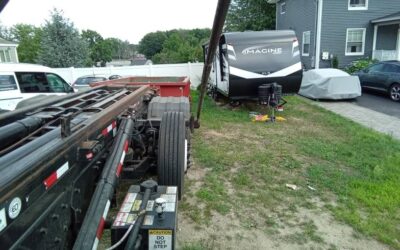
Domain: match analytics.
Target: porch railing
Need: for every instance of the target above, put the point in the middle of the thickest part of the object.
(385, 55)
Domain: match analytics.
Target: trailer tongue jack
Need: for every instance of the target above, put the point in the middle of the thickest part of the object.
(270, 95)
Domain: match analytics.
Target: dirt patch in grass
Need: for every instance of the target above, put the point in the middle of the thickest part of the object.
(237, 198)
(282, 226)
(212, 134)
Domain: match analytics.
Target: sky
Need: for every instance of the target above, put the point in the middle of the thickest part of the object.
(124, 19)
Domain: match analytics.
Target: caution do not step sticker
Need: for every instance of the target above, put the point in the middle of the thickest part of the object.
(160, 239)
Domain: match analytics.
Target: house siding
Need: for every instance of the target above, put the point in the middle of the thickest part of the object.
(337, 18)
(300, 17)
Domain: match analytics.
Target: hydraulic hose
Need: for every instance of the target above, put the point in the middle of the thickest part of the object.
(15, 131)
(93, 224)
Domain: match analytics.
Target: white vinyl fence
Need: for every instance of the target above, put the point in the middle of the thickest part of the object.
(192, 70)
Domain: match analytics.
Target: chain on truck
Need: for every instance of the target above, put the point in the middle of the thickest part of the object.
(61, 161)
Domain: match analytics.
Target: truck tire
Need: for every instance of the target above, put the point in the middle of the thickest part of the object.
(171, 151)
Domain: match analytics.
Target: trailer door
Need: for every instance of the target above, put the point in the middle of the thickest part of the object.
(218, 72)
(224, 74)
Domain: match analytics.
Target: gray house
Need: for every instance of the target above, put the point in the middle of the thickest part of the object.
(346, 29)
(8, 51)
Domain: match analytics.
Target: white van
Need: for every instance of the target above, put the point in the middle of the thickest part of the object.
(20, 81)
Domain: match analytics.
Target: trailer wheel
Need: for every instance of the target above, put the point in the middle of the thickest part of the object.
(172, 150)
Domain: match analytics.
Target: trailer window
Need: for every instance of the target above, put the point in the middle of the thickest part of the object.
(7, 82)
(306, 43)
(224, 67)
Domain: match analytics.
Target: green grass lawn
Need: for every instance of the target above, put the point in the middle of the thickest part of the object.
(355, 171)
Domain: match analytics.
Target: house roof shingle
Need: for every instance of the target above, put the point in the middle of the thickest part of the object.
(388, 18)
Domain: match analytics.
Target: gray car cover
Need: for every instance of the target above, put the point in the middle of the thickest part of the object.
(329, 84)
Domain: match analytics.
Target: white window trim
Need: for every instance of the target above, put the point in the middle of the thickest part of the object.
(358, 8)
(302, 44)
(7, 55)
(280, 6)
(363, 42)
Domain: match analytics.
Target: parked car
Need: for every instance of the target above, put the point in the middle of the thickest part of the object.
(114, 77)
(20, 81)
(383, 77)
(82, 83)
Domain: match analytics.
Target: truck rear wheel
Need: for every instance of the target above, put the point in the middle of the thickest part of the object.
(172, 150)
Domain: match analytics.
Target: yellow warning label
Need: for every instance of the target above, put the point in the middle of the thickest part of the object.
(136, 205)
(160, 232)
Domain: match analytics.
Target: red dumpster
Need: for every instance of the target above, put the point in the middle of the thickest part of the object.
(167, 86)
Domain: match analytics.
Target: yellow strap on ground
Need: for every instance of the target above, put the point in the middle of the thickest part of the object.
(280, 119)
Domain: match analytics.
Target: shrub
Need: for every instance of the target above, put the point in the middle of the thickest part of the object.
(335, 62)
(359, 65)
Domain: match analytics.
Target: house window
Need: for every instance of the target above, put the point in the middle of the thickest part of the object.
(355, 42)
(306, 43)
(5, 56)
(358, 4)
(283, 8)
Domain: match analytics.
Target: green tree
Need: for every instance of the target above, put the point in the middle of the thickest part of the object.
(91, 37)
(127, 50)
(29, 39)
(120, 49)
(5, 32)
(183, 46)
(152, 43)
(102, 52)
(250, 15)
(133, 49)
(61, 44)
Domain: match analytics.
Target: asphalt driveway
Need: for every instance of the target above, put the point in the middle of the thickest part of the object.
(378, 102)
(374, 111)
